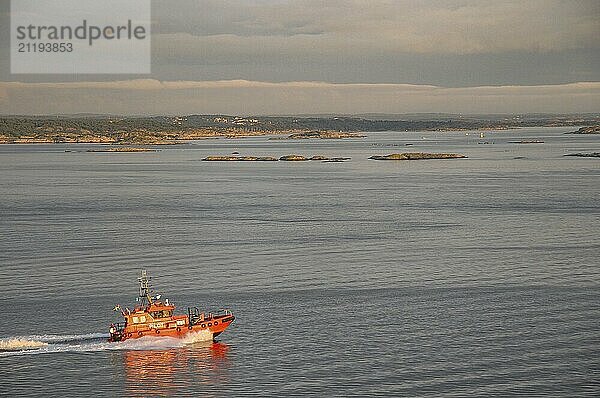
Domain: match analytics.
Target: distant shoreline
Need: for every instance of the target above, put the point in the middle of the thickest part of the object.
(168, 130)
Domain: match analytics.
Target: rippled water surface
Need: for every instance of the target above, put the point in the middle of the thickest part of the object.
(473, 276)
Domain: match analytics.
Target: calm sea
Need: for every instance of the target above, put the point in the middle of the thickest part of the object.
(475, 276)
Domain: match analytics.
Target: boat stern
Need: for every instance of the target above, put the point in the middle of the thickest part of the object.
(116, 332)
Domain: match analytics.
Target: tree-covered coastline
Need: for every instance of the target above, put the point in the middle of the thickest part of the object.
(170, 129)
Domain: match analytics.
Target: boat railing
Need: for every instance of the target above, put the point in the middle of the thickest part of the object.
(219, 314)
(194, 315)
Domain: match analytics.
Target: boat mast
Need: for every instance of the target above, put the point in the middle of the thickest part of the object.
(145, 298)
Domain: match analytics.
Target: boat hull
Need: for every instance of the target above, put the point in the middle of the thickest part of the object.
(214, 326)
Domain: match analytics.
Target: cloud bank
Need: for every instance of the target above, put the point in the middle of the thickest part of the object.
(342, 56)
(425, 26)
(149, 96)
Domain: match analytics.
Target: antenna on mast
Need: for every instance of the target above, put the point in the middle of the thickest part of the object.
(145, 296)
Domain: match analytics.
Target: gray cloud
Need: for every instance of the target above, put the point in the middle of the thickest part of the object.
(451, 43)
(437, 47)
(456, 27)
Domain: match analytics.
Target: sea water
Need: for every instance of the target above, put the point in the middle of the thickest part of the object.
(474, 276)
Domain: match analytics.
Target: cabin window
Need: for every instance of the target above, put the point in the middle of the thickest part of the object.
(143, 319)
(162, 314)
(136, 319)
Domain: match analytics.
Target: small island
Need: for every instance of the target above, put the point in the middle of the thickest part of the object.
(585, 155)
(285, 158)
(323, 135)
(587, 130)
(236, 158)
(293, 158)
(417, 156)
(335, 160)
(122, 149)
(527, 142)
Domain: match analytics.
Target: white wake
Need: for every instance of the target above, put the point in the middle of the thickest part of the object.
(15, 344)
(47, 344)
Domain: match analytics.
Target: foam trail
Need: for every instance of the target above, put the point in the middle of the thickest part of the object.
(53, 338)
(16, 344)
(47, 344)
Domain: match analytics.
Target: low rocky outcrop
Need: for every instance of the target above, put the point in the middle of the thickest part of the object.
(335, 160)
(240, 159)
(286, 158)
(585, 155)
(122, 149)
(323, 135)
(293, 158)
(587, 130)
(417, 156)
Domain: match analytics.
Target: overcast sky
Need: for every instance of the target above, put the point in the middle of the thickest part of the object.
(334, 56)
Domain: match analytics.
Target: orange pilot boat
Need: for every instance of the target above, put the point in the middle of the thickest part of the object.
(155, 318)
